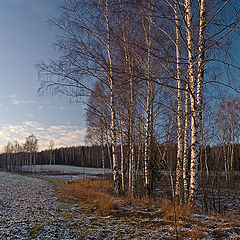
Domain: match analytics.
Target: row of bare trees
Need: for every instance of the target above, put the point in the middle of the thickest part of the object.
(150, 69)
(17, 155)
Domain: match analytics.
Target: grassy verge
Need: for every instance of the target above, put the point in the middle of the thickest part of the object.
(91, 195)
(97, 196)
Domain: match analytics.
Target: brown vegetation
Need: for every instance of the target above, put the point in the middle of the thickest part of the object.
(94, 195)
(181, 220)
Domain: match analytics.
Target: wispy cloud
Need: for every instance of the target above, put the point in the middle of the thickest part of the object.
(29, 115)
(16, 101)
(62, 135)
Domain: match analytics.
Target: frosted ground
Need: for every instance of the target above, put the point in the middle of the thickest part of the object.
(30, 209)
(65, 172)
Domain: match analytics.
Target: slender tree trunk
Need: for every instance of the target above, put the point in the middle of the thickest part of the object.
(102, 152)
(205, 156)
(129, 70)
(195, 146)
(179, 169)
(132, 171)
(147, 141)
(185, 145)
(122, 156)
(148, 109)
(232, 144)
(201, 63)
(112, 105)
(151, 137)
(225, 157)
(109, 153)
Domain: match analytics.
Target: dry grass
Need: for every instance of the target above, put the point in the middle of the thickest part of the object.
(145, 201)
(97, 196)
(92, 195)
(195, 233)
(180, 211)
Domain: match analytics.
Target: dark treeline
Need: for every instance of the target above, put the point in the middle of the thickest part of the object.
(81, 156)
(164, 158)
(219, 165)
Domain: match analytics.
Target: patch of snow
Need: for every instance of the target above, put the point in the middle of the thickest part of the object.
(204, 217)
(65, 169)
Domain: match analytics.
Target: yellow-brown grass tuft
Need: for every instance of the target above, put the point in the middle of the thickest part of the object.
(180, 211)
(195, 233)
(90, 194)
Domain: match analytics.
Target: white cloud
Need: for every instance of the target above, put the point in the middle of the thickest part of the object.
(16, 101)
(22, 101)
(62, 135)
(29, 115)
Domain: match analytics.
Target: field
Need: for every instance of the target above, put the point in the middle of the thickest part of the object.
(64, 171)
(87, 208)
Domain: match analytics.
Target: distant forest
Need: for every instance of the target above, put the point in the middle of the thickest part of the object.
(81, 156)
(164, 158)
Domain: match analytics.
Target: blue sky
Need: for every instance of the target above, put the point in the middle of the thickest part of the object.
(26, 38)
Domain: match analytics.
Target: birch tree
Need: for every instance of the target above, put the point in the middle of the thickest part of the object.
(179, 170)
(139, 51)
(51, 148)
(86, 43)
(31, 148)
(228, 120)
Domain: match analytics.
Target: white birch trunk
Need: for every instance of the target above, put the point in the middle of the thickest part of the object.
(195, 147)
(139, 154)
(185, 145)
(225, 162)
(201, 65)
(102, 152)
(147, 141)
(109, 153)
(132, 171)
(114, 141)
(148, 106)
(122, 157)
(112, 106)
(129, 64)
(195, 150)
(179, 169)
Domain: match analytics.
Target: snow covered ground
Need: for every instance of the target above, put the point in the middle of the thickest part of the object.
(65, 169)
(30, 209)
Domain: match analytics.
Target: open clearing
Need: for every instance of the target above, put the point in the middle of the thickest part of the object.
(30, 209)
(65, 169)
